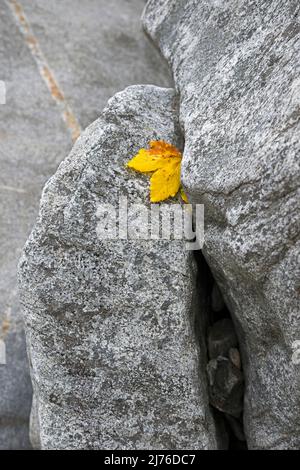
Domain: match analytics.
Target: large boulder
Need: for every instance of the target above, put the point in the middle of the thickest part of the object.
(117, 362)
(94, 49)
(236, 68)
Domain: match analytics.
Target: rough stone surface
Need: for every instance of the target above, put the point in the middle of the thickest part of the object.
(93, 49)
(221, 337)
(28, 156)
(236, 67)
(111, 323)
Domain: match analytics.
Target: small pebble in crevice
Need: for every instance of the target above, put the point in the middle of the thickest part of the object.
(224, 366)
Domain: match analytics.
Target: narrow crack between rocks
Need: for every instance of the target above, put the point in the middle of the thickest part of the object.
(223, 362)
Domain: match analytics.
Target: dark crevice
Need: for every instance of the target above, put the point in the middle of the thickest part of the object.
(223, 361)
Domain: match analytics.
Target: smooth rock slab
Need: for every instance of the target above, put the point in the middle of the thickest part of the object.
(236, 67)
(110, 323)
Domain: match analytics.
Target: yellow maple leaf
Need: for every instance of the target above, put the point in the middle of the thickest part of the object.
(164, 160)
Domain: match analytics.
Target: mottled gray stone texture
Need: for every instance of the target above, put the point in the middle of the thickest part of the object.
(116, 361)
(94, 48)
(236, 67)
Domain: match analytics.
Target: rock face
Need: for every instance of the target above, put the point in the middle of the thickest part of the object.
(236, 67)
(91, 60)
(111, 323)
(221, 338)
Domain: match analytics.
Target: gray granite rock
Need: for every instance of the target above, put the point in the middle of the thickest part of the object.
(236, 67)
(235, 357)
(236, 427)
(116, 360)
(217, 301)
(95, 48)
